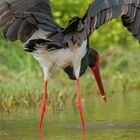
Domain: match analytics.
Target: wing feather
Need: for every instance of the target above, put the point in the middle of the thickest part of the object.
(101, 11)
(26, 30)
(34, 14)
(13, 28)
(6, 18)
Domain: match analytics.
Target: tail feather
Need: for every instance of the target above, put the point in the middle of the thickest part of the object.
(41, 44)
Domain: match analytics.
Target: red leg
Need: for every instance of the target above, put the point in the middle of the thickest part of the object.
(79, 104)
(43, 106)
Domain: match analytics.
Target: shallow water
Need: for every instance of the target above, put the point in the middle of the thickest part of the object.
(117, 120)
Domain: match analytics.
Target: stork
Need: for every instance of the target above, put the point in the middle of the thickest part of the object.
(31, 22)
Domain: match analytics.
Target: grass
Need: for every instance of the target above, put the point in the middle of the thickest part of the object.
(21, 80)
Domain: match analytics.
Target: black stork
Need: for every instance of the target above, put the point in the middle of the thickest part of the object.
(31, 22)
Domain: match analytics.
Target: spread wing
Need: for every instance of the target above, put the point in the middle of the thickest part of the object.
(101, 11)
(21, 18)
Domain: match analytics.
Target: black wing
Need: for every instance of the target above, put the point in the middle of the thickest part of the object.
(21, 18)
(101, 11)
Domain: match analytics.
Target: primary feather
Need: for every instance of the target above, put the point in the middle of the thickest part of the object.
(21, 18)
(102, 11)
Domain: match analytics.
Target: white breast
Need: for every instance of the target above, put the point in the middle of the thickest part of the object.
(61, 57)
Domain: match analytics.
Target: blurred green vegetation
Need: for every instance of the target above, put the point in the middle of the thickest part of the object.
(21, 77)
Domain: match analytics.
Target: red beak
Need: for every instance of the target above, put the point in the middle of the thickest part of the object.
(96, 72)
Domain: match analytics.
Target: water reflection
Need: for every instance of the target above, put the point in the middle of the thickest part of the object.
(83, 135)
(40, 135)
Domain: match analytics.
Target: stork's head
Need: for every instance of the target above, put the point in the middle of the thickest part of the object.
(90, 60)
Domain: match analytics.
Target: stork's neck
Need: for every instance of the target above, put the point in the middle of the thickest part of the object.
(89, 60)
(84, 64)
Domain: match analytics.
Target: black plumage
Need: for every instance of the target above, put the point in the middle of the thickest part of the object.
(13, 29)
(104, 10)
(37, 14)
(34, 13)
